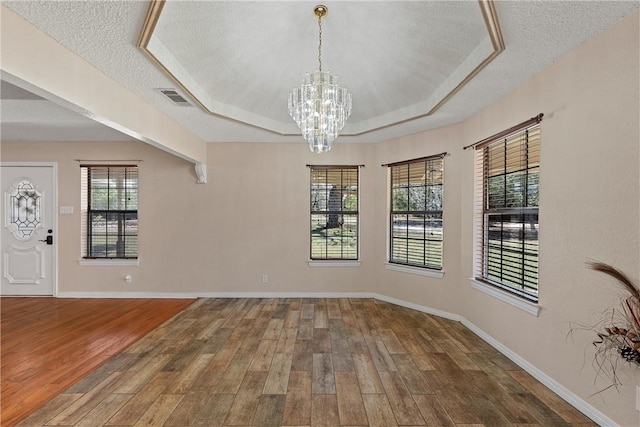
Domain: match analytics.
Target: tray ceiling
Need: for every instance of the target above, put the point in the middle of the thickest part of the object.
(410, 65)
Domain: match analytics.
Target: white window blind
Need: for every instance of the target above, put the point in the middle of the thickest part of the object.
(334, 212)
(415, 214)
(109, 207)
(506, 227)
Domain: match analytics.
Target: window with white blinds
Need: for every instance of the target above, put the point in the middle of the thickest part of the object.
(506, 208)
(109, 206)
(334, 212)
(415, 215)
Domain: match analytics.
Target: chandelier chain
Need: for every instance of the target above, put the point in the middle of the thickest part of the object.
(320, 43)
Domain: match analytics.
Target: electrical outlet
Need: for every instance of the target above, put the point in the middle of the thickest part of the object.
(265, 278)
(127, 278)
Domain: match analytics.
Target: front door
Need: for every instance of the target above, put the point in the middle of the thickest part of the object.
(28, 245)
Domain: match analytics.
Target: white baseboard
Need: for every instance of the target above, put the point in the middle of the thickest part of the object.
(428, 310)
(549, 382)
(124, 295)
(194, 295)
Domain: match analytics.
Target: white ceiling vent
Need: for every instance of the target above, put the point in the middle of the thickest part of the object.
(175, 97)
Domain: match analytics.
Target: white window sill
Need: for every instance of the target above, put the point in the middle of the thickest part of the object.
(317, 263)
(110, 262)
(438, 274)
(526, 306)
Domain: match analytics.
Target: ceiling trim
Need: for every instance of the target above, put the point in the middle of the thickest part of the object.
(487, 9)
(150, 22)
(495, 35)
(490, 16)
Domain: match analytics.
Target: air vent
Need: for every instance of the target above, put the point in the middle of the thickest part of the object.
(175, 97)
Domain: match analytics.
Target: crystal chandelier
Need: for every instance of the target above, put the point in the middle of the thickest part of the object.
(319, 106)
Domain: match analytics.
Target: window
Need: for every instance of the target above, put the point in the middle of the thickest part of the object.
(416, 212)
(507, 200)
(334, 212)
(109, 211)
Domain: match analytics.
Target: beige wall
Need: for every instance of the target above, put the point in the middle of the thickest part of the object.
(590, 196)
(252, 216)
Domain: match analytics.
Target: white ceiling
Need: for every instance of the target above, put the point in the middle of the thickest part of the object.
(240, 59)
(29, 117)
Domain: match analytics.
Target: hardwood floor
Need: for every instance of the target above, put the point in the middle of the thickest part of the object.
(47, 344)
(307, 362)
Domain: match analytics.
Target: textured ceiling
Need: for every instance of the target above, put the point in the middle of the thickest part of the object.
(398, 59)
(242, 58)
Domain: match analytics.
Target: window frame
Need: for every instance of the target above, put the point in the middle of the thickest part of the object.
(430, 164)
(497, 271)
(129, 182)
(326, 260)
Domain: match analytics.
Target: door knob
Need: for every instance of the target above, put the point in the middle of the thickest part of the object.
(48, 240)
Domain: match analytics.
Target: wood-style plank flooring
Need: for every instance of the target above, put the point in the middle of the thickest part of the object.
(307, 362)
(47, 344)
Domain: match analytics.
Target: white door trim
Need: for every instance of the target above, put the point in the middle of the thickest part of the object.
(54, 200)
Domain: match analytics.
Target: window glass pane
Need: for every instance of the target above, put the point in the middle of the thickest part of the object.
(510, 219)
(334, 204)
(116, 198)
(318, 236)
(131, 203)
(433, 226)
(24, 209)
(112, 246)
(334, 212)
(433, 253)
(415, 251)
(533, 187)
(114, 230)
(399, 250)
(415, 227)
(416, 212)
(400, 198)
(399, 175)
(111, 214)
(97, 233)
(350, 179)
(417, 198)
(515, 156)
(516, 186)
(400, 224)
(99, 198)
(334, 177)
(350, 226)
(494, 159)
(318, 222)
(350, 201)
(130, 234)
(318, 197)
(434, 197)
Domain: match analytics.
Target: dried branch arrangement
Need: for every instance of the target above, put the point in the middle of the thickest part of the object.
(618, 331)
(625, 337)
